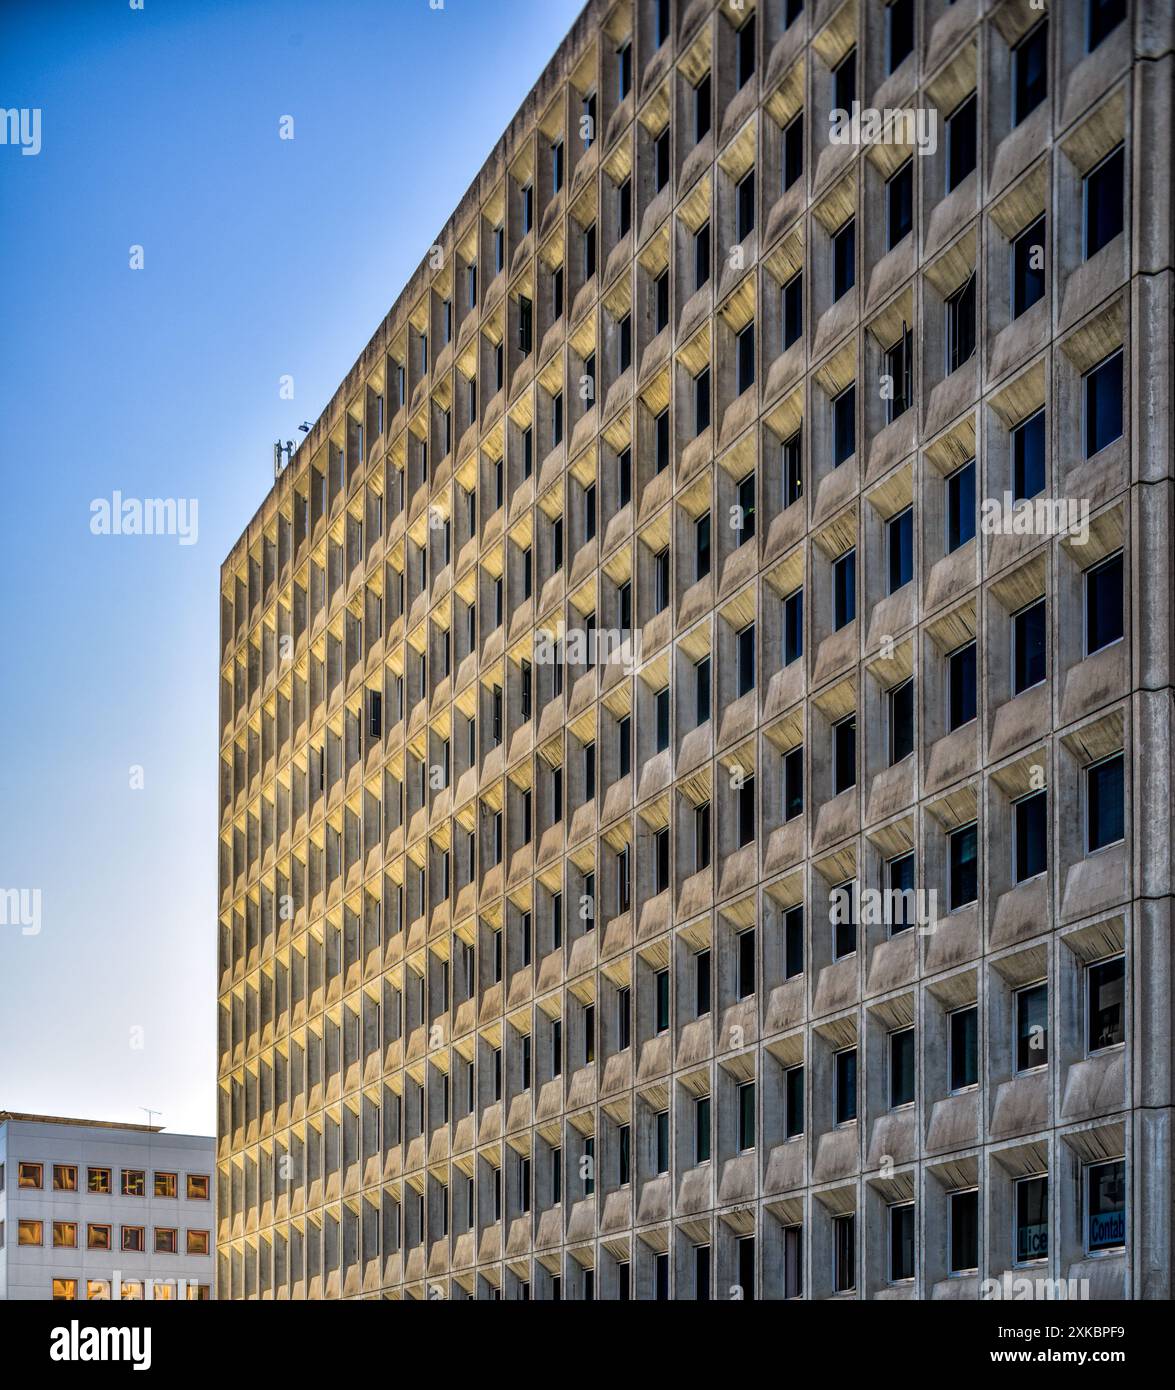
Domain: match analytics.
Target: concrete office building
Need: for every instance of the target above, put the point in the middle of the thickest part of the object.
(818, 944)
(94, 1210)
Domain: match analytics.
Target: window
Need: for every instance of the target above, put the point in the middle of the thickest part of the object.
(702, 401)
(589, 252)
(98, 1181)
(624, 1155)
(746, 508)
(702, 109)
(746, 358)
(746, 1266)
(960, 507)
(98, 1237)
(793, 310)
(661, 156)
(900, 904)
(963, 1048)
(964, 867)
(961, 143)
(963, 1232)
(1105, 1206)
(1103, 404)
(662, 1138)
(793, 151)
(133, 1238)
(1105, 1019)
(623, 880)
(199, 1187)
(29, 1232)
(746, 51)
(1030, 72)
(846, 1086)
(844, 1261)
(961, 326)
(65, 1290)
(661, 581)
(29, 1175)
(1031, 845)
(793, 783)
(901, 1242)
(1103, 604)
(623, 71)
(166, 1242)
(746, 963)
(793, 627)
(901, 721)
(1028, 456)
(793, 937)
(793, 474)
(557, 419)
(844, 755)
(499, 259)
(899, 204)
(1032, 1219)
(527, 208)
(1032, 1027)
(589, 500)
(746, 812)
(624, 209)
(961, 687)
(197, 1242)
(746, 659)
(844, 425)
(525, 324)
(844, 920)
(661, 995)
(745, 196)
(1104, 18)
(899, 26)
(65, 1235)
(844, 260)
(844, 81)
(702, 691)
(556, 166)
(701, 255)
(624, 476)
(134, 1183)
(702, 1273)
(702, 546)
(702, 983)
(793, 1086)
(662, 21)
(1104, 814)
(1028, 251)
(899, 531)
(661, 846)
(624, 738)
(1028, 647)
(1104, 188)
(167, 1185)
(901, 1067)
(661, 317)
(746, 1116)
(899, 361)
(663, 440)
(65, 1177)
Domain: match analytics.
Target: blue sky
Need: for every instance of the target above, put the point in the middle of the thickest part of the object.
(261, 257)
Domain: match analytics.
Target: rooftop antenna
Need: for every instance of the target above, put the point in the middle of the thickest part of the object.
(150, 1113)
(278, 450)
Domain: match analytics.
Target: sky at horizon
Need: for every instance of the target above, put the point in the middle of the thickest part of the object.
(261, 257)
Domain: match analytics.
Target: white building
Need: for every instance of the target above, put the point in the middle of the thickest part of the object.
(90, 1209)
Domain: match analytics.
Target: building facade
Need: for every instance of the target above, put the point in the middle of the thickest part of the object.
(93, 1210)
(695, 754)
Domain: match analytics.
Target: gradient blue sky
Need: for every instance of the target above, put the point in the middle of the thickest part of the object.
(262, 257)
